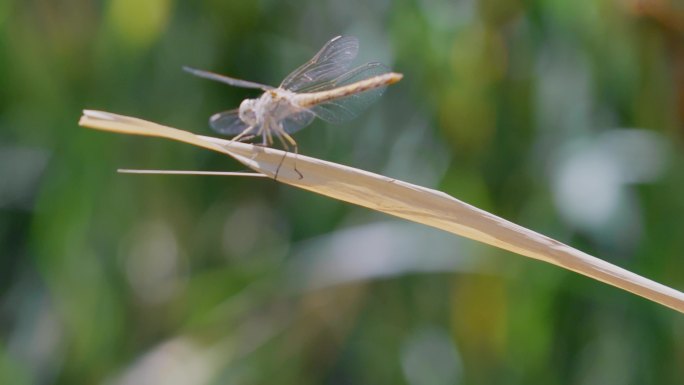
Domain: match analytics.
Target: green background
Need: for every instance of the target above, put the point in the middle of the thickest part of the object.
(563, 116)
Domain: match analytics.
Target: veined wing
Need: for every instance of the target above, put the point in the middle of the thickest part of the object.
(225, 79)
(297, 121)
(350, 106)
(228, 122)
(330, 62)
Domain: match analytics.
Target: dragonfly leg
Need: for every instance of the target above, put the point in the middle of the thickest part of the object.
(280, 164)
(282, 134)
(261, 132)
(269, 137)
(289, 139)
(243, 134)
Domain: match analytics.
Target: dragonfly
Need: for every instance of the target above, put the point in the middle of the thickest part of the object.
(325, 87)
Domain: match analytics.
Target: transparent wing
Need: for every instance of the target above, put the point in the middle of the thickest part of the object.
(297, 121)
(228, 122)
(348, 107)
(330, 62)
(225, 79)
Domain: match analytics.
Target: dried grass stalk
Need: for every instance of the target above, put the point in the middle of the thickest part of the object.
(401, 199)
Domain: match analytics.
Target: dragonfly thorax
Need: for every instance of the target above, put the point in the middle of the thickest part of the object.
(274, 105)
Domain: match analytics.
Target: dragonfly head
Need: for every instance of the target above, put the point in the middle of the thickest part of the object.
(247, 111)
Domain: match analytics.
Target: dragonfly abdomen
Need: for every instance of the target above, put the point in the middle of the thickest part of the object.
(308, 100)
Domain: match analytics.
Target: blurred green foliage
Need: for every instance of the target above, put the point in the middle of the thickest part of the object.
(563, 116)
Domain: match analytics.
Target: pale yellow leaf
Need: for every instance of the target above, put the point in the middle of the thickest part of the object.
(415, 203)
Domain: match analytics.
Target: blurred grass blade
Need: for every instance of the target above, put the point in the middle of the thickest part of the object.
(191, 172)
(401, 199)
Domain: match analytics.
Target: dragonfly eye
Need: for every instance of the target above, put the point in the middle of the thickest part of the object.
(247, 113)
